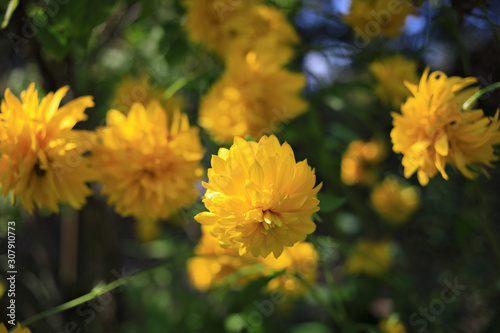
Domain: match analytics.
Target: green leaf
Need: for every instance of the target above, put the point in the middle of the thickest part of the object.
(8, 13)
(329, 203)
(53, 41)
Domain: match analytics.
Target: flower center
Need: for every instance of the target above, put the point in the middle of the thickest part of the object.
(38, 169)
(271, 220)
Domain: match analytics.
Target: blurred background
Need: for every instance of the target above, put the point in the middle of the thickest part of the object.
(442, 241)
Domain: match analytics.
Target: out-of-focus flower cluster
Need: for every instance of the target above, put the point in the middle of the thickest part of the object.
(255, 94)
(214, 266)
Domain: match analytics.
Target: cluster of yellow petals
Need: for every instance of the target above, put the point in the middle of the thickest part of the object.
(17, 329)
(215, 266)
(433, 130)
(392, 325)
(390, 73)
(41, 156)
(374, 17)
(370, 257)
(216, 23)
(358, 165)
(268, 37)
(234, 28)
(148, 161)
(395, 201)
(251, 99)
(259, 199)
(255, 94)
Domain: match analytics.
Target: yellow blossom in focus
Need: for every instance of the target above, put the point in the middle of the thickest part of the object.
(259, 199)
(136, 90)
(213, 264)
(251, 99)
(433, 130)
(394, 200)
(18, 329)
(392, 325)
(41, 155)
(216, 24)
(300, 259)
(370, 18)
(390, 73)
(370, 257)
(359, 162)
(268, 39)
(148, 161)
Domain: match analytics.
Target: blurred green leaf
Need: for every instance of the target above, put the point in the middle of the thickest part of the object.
(8, 13)
(329, 203)
(53, 41)
(310, 328)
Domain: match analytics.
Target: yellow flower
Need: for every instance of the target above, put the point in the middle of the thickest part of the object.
(137, 90)
(216, 23)
(390, 73)
(392, 325)
(147, 162)
(2, 289)
(251, 99)
(213, 264)
(394, 200)
(18, 329)
(370, 257)
(41, 156)
(300, 259)
(268, 38)
(433, 130)
(370, 18)
(259, 199)
(359, 162)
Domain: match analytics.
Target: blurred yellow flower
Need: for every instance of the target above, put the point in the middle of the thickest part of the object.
(132, 90)
(390, 73)
(370, 18)
(215, 24)
(358, 165)
(268, 38)
(370, 257)
(18, 329)
(2, 289)
(300, 259)
(394, 200)
(41, 156)
(251, 99)
(259, 199)
(392, 325)
(433, 130)
(213, 264)
(148, 161)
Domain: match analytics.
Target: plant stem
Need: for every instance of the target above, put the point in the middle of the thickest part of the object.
(98, 291)
(478, 94)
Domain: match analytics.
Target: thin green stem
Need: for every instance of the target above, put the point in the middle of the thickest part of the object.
(179, 84)
(98, 291)
(454, 29)
(490, 236)
(336, 316)
(468, 103)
